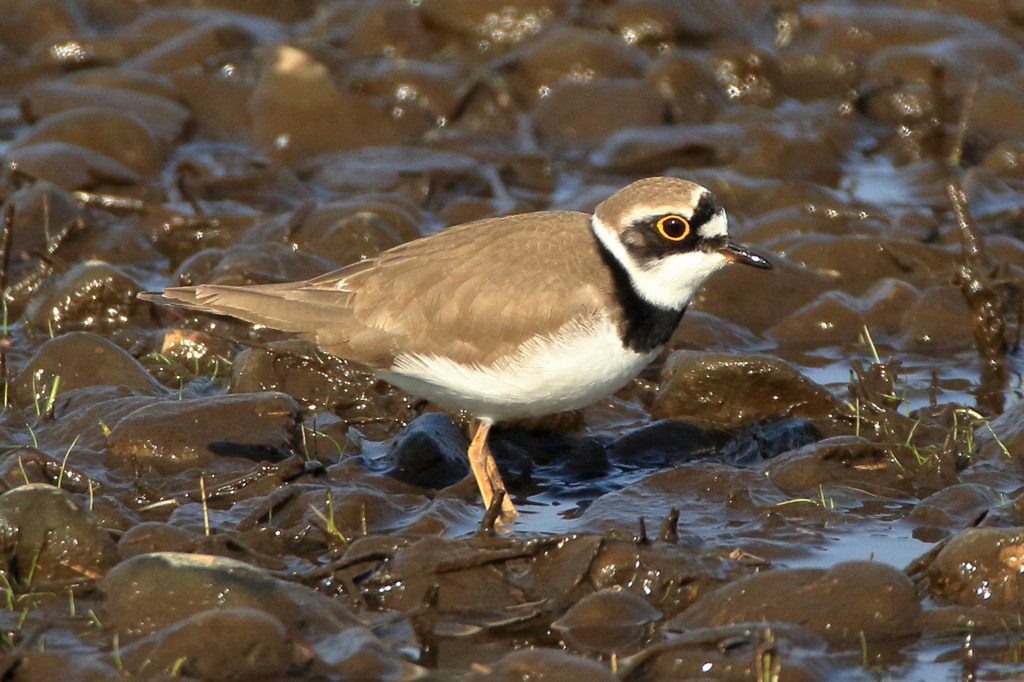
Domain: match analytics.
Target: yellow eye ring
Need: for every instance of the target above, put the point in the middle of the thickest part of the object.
(675, 228)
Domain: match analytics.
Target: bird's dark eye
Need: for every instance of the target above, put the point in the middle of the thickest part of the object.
(675, 228)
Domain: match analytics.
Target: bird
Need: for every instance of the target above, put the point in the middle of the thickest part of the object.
(508, 317)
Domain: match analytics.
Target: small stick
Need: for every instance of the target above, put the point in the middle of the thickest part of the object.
(641, 536)
(993, 303)
(6, 234)
(670, 527)
(956, 151)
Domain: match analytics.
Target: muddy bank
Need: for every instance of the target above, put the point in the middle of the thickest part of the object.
(820, 477)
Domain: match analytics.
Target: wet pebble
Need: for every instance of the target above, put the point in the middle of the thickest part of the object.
(570, 54)
(839, 604)
(491, 25)
(358, 654)
(79, 360)
(546, 664)
(559, 116)
(60, 665)
(1003, 436)
(610, 620)
(71, 167)
(731, 653)
(666, 441)
(651, 150)
(768, 439)
(198, 41)
(704, 331)
(686, 80)
(153, 536)
(886, 303)
(952, 508)
(981, 567)
(422, 177)
(125, 79)
(789, 286)
(42, 210)
(106, 131)
(855, 263)
(430, 452)
(318, 381)
(298, 110)
(833, 318)
(250, 264)
(841, 459)
(164, 118)
(47, 534)
(149, 592)
(92, 296)
(940, 320)
(725, 390)
(385, 30)
(221, 644)
(353, 238)
(173, 435)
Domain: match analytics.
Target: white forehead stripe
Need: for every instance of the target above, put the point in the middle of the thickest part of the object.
(652, 212)
(717, 226)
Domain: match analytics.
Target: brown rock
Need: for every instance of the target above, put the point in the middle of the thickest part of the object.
(608, 620)
(164, 118)
(834, 318)
(589, 111)
(981, 567)
(856, 263)
(887, 302)
(491, 24)
(703, 331)
(571, 54)
(46, 534)
(221, 644)
(298, 111)
(841, 459)
(954, 507)
(841, 604)
(941, 319)
(731, 652)
(192, 47)
(92, 296)
(688, 84)
(756, 299)
(178, 434)
(546, 664)
(109, 132)
(80, 359)
(721, 390)
(149, 592)
(652, 150)
(70, 167)
(242, 264)
(392, 29)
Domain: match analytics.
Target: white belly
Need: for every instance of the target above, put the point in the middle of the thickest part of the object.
(572, 369)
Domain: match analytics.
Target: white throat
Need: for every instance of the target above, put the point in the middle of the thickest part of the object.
(669, 282)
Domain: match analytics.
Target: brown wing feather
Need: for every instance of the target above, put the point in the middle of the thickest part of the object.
(461, 292)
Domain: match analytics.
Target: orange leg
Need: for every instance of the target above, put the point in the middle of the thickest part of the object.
(485, 470)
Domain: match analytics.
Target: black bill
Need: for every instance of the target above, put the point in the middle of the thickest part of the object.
(738, 253)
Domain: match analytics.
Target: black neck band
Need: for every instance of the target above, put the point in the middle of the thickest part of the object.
(645, 325)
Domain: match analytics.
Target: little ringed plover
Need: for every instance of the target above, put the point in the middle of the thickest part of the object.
(519, 316)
